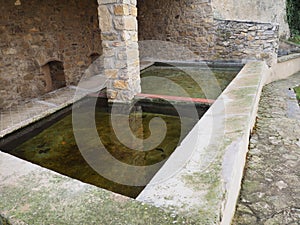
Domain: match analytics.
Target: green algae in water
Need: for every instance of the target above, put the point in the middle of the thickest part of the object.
(55, 148)
(196, 82)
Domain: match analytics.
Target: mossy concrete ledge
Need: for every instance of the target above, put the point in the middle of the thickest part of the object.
(31, 195)
(202, 178)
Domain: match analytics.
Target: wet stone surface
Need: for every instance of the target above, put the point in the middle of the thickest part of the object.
(270, 191)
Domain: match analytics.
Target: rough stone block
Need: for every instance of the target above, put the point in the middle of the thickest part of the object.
(120, 64)
(105, 19)
(111, 94)
(119, 23)
(111, 73)
(130, 23)
(104, 2)
(110, 36)
(125, 36)
(125, 23)
(134, 37)
(121, 10)
(109, 63)
(10, 51)
(133, 11)
(122, 56)
(120, 84)
(133, 54)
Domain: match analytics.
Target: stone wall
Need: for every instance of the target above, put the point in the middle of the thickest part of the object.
(259, 11)
(246, 40)
(36, 32)
(189, 23)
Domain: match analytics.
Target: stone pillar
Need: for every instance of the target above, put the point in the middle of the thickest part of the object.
(118, 24)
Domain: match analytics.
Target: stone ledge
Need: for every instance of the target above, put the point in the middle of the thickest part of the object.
(286, 66)
(55, 101)
(201, 179)
(288, 57)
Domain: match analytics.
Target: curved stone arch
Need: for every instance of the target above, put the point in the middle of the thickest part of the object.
(43, 57)
(48, 60)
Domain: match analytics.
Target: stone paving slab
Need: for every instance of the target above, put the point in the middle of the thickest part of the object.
(28, 112)
(271, 187)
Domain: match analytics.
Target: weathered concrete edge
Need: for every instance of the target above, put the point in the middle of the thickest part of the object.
(206, 188)
(31, 194)
(239, 159)
(286, 66)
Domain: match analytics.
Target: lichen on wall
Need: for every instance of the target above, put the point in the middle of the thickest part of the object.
(35, 32)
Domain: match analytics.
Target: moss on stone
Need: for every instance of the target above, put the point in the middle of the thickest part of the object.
(46, 198)
(4, 221)
(210, 183)
(297, 91)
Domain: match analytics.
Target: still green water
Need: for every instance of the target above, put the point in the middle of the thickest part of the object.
(195, 82)
(55, 148)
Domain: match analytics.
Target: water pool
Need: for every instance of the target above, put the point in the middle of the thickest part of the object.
(55, 147)
(195, 81)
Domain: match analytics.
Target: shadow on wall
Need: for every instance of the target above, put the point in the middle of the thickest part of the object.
(54, 75)
(93, 57)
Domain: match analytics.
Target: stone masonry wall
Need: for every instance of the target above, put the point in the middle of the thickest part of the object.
(191, 25)
(246, 40)
(264, 11)
(36, 32)
(185, 22)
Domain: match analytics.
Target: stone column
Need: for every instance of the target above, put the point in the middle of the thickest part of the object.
(118, 24)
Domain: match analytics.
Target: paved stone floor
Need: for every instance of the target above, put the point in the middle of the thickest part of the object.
(271, 187)
(35, 109)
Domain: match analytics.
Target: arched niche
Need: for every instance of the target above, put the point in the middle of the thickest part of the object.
(54, 75)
